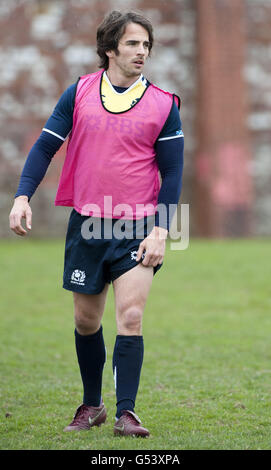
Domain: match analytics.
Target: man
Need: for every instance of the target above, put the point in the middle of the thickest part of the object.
(121, 129)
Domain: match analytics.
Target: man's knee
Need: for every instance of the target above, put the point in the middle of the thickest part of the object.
(86, 320)
(86, 325)
(88, 312)
(130, 321)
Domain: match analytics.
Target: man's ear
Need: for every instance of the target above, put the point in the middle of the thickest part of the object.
(110, 54)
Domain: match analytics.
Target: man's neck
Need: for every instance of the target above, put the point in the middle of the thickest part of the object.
(117, 79)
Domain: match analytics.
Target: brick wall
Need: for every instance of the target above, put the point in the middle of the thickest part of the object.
(223, 182)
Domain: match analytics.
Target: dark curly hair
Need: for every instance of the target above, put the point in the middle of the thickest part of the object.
(112, 29)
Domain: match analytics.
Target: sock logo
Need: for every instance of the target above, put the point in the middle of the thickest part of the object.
(115, 377)
(78, 277)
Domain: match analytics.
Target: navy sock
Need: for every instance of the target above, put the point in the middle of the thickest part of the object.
(91, 356)
(127, 362)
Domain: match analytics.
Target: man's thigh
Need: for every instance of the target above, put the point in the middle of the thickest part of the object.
(89, 309)
(131, 291)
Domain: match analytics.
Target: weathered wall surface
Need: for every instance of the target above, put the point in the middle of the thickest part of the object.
(46, 45)
(223, 196)
(257, 73)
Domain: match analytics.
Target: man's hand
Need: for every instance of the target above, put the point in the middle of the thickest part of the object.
(154, 245)
(21, 209)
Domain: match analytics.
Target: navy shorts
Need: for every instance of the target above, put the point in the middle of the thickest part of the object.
(99, 250)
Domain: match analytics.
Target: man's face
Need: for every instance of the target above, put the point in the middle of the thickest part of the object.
(133, 50)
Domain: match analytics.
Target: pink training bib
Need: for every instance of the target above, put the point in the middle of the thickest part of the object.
(110, 168)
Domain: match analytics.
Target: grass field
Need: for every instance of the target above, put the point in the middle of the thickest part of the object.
(206, 377)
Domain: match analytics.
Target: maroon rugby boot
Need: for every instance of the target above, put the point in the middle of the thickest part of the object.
(86, 417)
(129, 424)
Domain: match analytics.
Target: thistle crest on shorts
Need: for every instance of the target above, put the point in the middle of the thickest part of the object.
(78, 277)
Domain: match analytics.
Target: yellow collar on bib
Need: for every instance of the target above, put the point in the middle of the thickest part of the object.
(119, 102)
